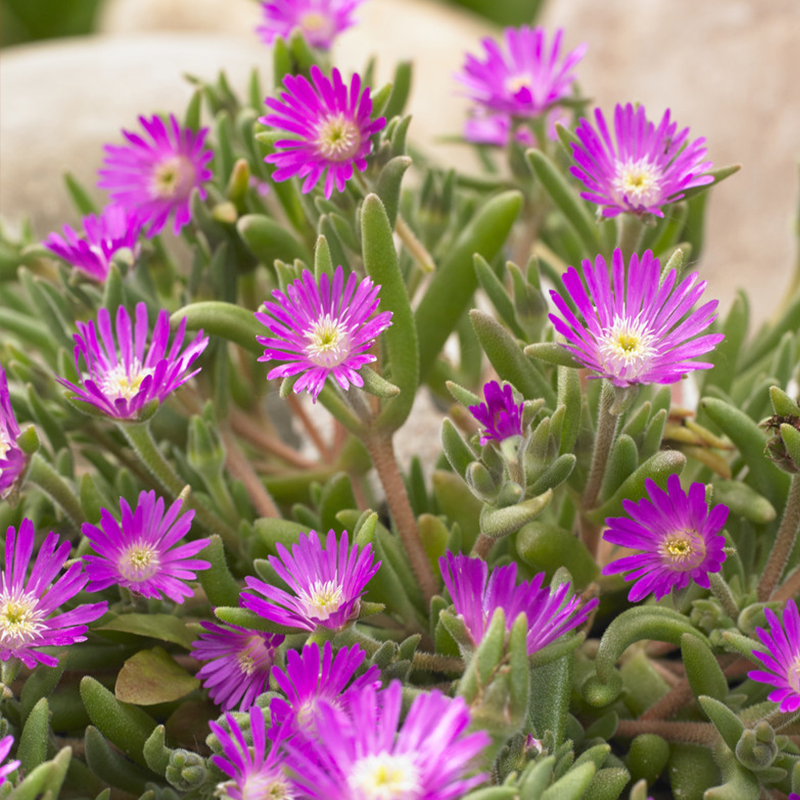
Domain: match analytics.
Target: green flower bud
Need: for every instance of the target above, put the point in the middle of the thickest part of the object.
(756, 749)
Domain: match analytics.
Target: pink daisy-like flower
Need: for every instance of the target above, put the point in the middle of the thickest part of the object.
(500, 415)
(782, 646)
(121, 379)
(648, 168)
(635, 328)
(331, 129)
(476, 595)
(309, 679)
(6, 769)
(522, 77)
(117, 228)
(678, 538)
(253, 772)
(428, 758)
(154, 175)
(326, 583)
(28, 621)
(320, 21)
(141, 554)
(12, 459)
(322, 329)
(239, 663)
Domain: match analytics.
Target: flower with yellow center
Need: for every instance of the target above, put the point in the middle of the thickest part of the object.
(627, 348)
(139, 562)
(338, 138)
(125, 382)
(638, 182)
(322, 599)
(21, 621)
(385, 776)
(172, 178)
(328, 342)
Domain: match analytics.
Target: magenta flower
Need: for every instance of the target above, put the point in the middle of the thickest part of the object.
(494, 129)
(428, 758)
(154, 175)
(320, 21)
(635, 328)
(253, 772)
(141, 554)
(331, 130)
(648, 168)
(782, 645)
(476, 595)
(239, 663)
(326, 584)
(679, 539)
(117, 228)
(522, 77)
(500, 415)
(322, 329)
(12, 459)
(28, 621)
(309, 680)
(6, 769)
(121, 380)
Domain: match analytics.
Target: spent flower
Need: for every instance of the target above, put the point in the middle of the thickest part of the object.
(320, 21)
(28, 605)
(12, 459)
(141, 553)
(155, 173)
(322, 328)
(678, 538)
(331, 129)
(476, 595)
(116, 228)
(646, 169)
(523, 76)
(325, 583)
(120, 379)
(239, 663)
(780, 657)
(633, 327)
(500, 415)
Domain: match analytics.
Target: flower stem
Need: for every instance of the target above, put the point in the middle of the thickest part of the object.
(414, 245)
(784, 542)
(691, 732)
(381, 450)
(141, 440)
(483, 544)
(433, 662)
(241, 469)
(630, 234)
(47, 479)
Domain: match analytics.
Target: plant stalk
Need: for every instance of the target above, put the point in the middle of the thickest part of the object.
(414, 246)
(784, 542)
(47, 479)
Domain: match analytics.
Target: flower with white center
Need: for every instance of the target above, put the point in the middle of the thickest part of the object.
(12, 459)
(29, 603)
(6, 769)
(632, 326)
(141, 553)
(325, 584)
(320, 21)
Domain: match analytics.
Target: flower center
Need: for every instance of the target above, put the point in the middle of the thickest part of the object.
(172, 178)
(683, 550)
(139, 562)
(515, 83)
(385, 776)
(638, 182)
(5, 443)
(327, 342)
(256, 787)
(627, 348)
(323, 599)
(338, 138)
(255, 656)
(20, 619)
(313, 21)
(125, 383)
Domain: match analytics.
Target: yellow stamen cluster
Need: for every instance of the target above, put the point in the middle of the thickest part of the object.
(385, 776)
(338, 138)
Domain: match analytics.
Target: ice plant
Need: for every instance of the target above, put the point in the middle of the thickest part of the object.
(116, 228)
(12, 459)
(320, 21)
(120, 379)
(253, 772)
(330, 126)
(141, 553)
(642, 168)
(476, 595)
(155, 173)
(677, 536)
(500, 415)
(310, 678)
(780, 657)
(429, 757)
(632, 327)
(6, 769)
(523, 76)
(322, 328)
(325, 583)
(239, 663)
(28, 603)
